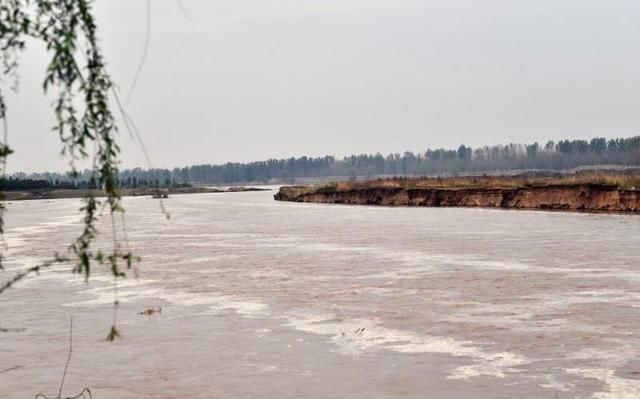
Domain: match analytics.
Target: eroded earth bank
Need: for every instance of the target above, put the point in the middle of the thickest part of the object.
(588, 197)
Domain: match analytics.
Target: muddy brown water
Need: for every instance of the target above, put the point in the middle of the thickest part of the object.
(266, 299)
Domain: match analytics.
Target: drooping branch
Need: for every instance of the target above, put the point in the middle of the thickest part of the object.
(82, 106)
(32, 270)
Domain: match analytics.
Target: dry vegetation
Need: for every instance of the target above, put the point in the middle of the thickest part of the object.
(629, 182)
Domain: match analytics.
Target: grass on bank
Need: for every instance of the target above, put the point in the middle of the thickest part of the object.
(627, 182)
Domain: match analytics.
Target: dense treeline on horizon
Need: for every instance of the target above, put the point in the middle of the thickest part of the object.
(19, 183)
(564, 154)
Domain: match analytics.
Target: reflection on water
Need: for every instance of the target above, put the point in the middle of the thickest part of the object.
(267, 299)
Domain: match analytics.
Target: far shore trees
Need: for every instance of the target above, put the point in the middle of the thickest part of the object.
(565, 154)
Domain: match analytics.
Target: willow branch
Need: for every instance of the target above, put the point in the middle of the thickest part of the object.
(34, 269)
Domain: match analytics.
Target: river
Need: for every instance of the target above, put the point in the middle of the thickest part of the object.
(266, 299)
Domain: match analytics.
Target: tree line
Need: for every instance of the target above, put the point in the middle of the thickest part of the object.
(564, 154)
(51, 181)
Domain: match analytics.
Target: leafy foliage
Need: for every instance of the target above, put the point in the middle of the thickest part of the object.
(82, 107)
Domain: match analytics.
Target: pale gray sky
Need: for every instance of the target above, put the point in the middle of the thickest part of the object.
(254, 79)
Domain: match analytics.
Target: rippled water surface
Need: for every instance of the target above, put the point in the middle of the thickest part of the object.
(263, 299)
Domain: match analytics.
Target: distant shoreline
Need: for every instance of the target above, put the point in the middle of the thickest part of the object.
(125, 192)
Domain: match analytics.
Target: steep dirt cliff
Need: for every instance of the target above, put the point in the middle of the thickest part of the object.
(589, 197)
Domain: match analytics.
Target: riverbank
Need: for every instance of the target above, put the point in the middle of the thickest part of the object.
(589, 193)
(126, 192)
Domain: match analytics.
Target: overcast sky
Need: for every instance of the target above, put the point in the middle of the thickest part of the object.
(256, 79)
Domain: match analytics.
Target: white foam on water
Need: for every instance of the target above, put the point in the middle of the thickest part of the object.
(244, 308)
(613, 272)
(494, 365)
(351, 340)
(553, 384)
(608, 296)
(206, 259)
(271, 273)
(478, 263)
(60, 272)
(541, 313)
(18, 237)
(415, 263)
(436, 261)
(552, 303)
(20, 264)
(217, 303)
(616, 387)
(400, 273)
(424, 262)
(326, 247)
(617, 355)
(211, 235)
(130, 291)
(105, 294)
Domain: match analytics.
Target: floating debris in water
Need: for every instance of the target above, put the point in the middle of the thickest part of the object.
(150, 311)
